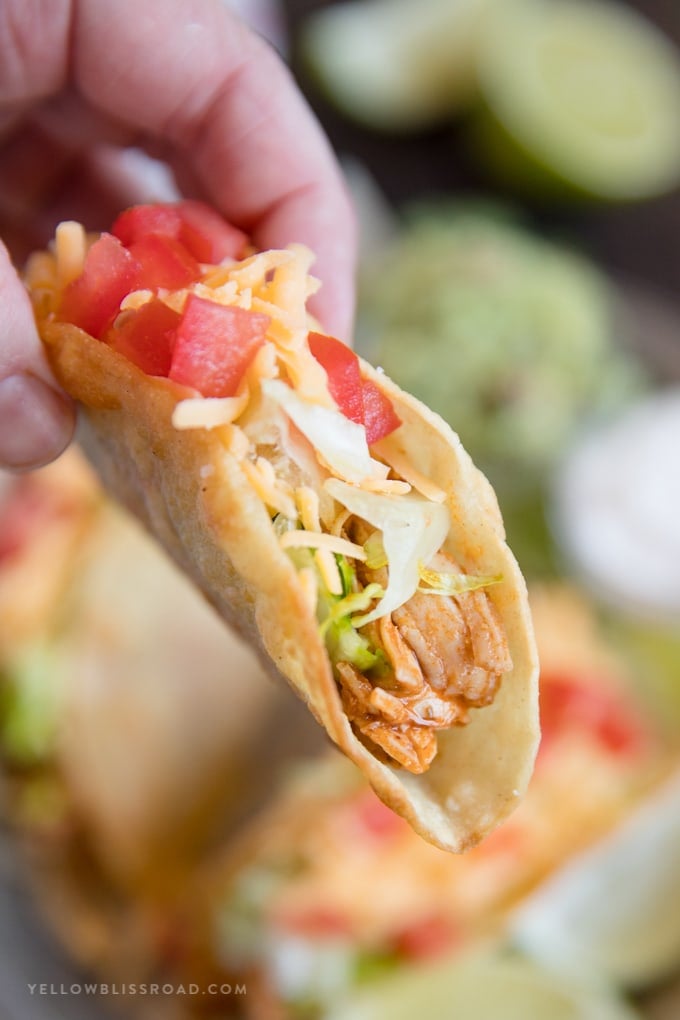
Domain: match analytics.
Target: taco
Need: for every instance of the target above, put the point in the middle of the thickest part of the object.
(335, 521)
(127, 743)
(328, 895)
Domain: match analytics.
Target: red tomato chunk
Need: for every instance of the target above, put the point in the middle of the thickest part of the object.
(92, 300)
(344, 378)
(359, 399)
(208, 236)
(163, 262)
(375, 820)
(146, 337)
(427, 938)
(141, 220)
(314, 922)
(380, 418)
(614, 724)
(204, 234)
(214, 346)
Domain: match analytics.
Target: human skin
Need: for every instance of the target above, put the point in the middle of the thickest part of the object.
(84, 81)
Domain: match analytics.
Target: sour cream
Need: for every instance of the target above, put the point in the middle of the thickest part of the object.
(617, 508)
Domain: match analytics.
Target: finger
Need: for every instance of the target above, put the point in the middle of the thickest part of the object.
(32, 170)
(36, 420)
(226, 101)
(201, 81)
(102, 183)
(307, 218)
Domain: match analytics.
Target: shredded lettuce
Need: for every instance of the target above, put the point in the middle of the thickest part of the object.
(346, 644)
(413, 530)
(356, 602)
(453, 584)
(375, 551)
(341, 443)
(343, 642)
(282, 524)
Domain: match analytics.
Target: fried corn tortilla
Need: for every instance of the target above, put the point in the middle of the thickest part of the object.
(432, 692)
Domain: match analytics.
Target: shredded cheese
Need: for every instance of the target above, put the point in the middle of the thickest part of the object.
(400, 463)
(175, 299)
(272, 491)
(290, 285)
(41, 271)
(135, 299)
(70, 247)
(263, 366)
(308, 377)
(40, 276)
(310, 586)
(208, 412)
(252, 272)
(329, 570)
(318, 540)
(290, 331)
(339, 522)
(217, 276)
(308, 505)
(389, 486)
(226, 294)
(235, 441)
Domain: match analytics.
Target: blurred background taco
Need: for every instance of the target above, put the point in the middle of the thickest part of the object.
(330, 892)
(128, 716)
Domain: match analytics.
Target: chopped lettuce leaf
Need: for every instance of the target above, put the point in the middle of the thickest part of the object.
(345, 644)
(343, 641)
(358, 601)
(413, 530)
(340, 443)
(439, 583)
(375, 551)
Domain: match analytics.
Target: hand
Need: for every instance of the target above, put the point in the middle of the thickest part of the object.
(80, 85)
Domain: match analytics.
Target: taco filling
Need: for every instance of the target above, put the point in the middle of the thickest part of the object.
(415, 641)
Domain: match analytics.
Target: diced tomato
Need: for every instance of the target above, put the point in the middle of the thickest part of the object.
(314, 921)
(359, 399)
(375, 819)
(344, 378)
(380, 418)
(92, 300)
(214, 346)
(141, 220)
(146, 337)
(427, 938)
(207, 235)
(203, 232)
(163, 262)
(568, 704)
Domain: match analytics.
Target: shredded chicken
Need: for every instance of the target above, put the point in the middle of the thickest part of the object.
(447, 654)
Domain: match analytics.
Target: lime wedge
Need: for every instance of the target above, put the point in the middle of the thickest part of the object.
(395, 65)
(482, 988)
(580, 96)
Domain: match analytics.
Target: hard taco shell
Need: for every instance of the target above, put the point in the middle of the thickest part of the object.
(193, 495)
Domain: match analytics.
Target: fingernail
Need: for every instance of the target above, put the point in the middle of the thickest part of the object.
(36, 422)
